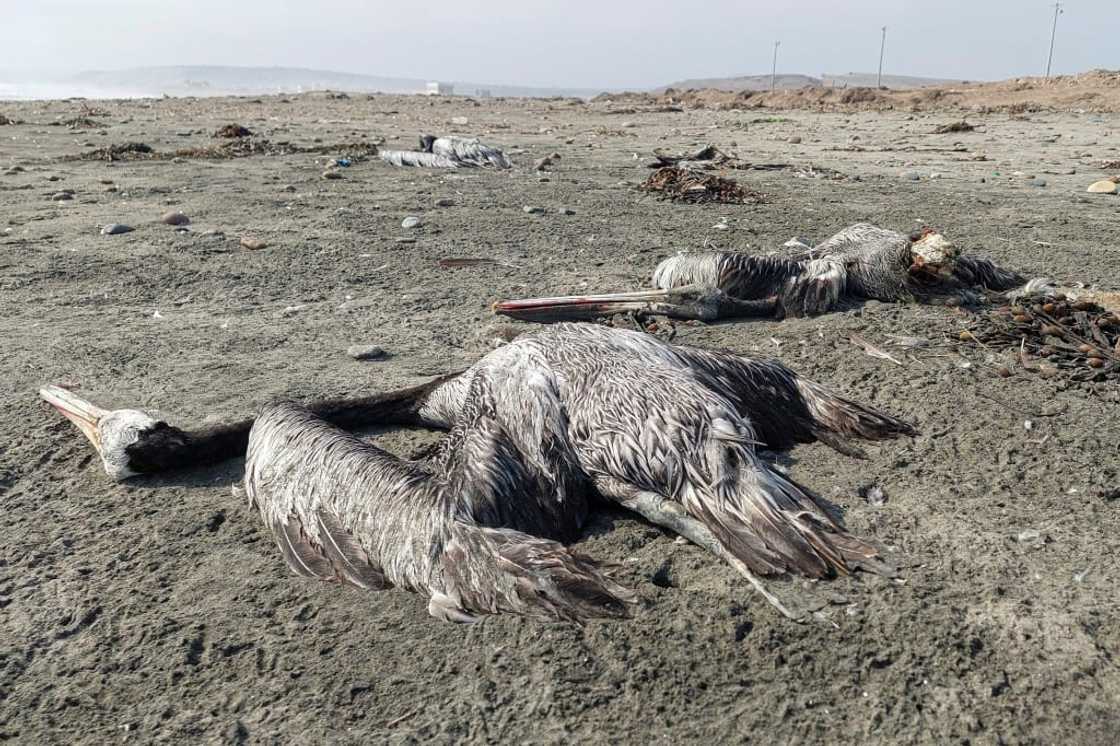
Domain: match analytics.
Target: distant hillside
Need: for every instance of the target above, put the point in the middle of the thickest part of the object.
(213, 80)
(790, 81)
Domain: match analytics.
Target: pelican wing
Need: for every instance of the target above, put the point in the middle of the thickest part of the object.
(470, 152)
(785, 408)
(417, 159)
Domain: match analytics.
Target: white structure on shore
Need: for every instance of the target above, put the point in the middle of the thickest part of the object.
(436, 88)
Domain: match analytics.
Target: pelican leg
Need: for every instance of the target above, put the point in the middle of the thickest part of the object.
(669, 514)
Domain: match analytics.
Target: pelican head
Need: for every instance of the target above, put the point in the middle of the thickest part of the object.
(933, 254)
(112, 432)
(426, 143)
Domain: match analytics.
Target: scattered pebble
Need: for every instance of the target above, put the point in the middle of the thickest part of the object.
(366, 352)
(459, 120)
(1038, 181)
(253, 244)
(1104, 186)
(1030, 536)
(911, 175)
(174, 217)
(62, 196)
(445, 202)
(410, 222)
(795, 140)
(532, 210)
(288, 188)
(115, 229)
(332, 173)
(565, 211)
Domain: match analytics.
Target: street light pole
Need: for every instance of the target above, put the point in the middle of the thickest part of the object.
(774, 65)
(1053, 33)
(882, 48)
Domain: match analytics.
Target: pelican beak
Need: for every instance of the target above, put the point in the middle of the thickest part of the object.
(82, 413)
(586, 306)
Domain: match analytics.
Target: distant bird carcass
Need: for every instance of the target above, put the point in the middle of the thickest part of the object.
(862, 261)
(448, 152)
(535, 428)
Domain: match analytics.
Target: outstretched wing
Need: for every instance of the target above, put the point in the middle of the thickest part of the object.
(417, 159)
(785, 408)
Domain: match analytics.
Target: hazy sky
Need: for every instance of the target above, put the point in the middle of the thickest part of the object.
(571, 43)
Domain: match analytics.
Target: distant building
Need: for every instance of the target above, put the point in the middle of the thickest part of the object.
(440, 89)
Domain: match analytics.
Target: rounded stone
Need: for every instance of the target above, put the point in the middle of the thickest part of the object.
(115, 229)
(410, 222)
(174, 217)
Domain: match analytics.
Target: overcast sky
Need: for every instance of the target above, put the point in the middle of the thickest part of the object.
(609, 43)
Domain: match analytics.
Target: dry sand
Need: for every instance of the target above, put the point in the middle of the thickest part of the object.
(160, 611)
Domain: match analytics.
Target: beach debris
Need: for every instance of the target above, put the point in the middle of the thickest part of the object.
(532, 210)
(873, 494)
(411, 222)
(366, 352)
(707, 157)
(332, 173)
(565, 211)
(253, 244)
(872, 350)
(232, 131)
(121, 152)
(685, 185)
(545, 163)
(7, 120)
(471, 261)
(64, 196)
(115, 229)
(343, 162)
(961, 126)
(1104, 186)
(445, 202)
(1053, 335)
(174, 217)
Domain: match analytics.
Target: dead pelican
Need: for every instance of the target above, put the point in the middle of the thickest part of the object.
(448, 152)
(669, 432)
(861, 261)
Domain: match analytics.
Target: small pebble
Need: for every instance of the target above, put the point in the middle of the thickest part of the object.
(174, 218)
(565, 211)
(1038, 182)
(332, 173)
(445, 202)
(1029, 536)
(410, 222)
(795, 140)
(253, 244)
(62, 196)
(115, 229)
(532, 210)
(911, 175)
(288, 188)
(365, 352)
(459, 120)
(1105, 186)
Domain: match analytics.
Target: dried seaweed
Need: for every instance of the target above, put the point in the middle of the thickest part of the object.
(961, 126)
(686, 185)
(236, 148)
(233, 130)
(1053, 336)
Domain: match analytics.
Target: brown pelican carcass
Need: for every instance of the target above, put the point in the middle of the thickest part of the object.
(861, 261)
(448, 152)
(667, 431)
